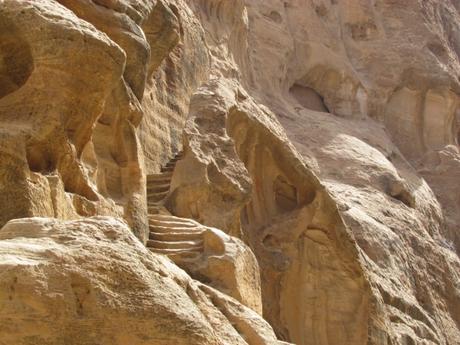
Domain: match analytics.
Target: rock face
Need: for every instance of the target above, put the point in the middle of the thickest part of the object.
(93, 282)
(298, 159)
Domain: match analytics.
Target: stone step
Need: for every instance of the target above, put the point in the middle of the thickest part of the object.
(157, 194)
(176, 228)
(158, 187)
(167, 217)
(153, 185)
(167, 169)
(183, 235)
(183, 258)
(183, 245)
(153, 210)
(156, 197)
(178, 156)
(171, 221)
(177, 252)
(155, 201)
(159, 177)
(152, 201)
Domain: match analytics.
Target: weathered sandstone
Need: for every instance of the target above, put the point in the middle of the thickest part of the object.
(297, 161)
(57, 287)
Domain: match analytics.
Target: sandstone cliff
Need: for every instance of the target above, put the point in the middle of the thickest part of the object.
(230, 172)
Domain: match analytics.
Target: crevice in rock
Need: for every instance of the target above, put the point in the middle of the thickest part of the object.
(285, 194)
(405, 307)
(232, 313)
(406, 198)
(39, 159)
(82, 293)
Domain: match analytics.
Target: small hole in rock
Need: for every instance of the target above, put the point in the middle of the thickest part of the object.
(39, 159)
(308, 98)
(275, 16)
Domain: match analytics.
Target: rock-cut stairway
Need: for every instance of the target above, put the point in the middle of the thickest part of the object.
(181, 239)
(158, 185)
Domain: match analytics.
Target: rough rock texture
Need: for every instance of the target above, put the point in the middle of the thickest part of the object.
(93, 282)
(323, 134)
(209, 255)
(68, 141)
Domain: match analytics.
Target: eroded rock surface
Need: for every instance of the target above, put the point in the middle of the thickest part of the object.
(92, 281)
(319, 150)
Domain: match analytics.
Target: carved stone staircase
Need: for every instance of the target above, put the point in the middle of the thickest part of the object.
(203, 252)
(181, 239)
(158, 185)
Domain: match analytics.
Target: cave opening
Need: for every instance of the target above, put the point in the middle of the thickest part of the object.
(308, 98)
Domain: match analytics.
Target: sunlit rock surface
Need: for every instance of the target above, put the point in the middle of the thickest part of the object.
(319, 161)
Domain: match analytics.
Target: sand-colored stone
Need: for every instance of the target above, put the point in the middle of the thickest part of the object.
(92, 281)
(209, 255)
(382, 202)
(320, 152)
